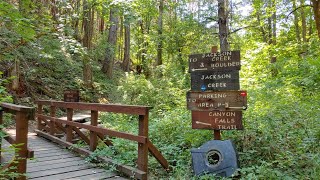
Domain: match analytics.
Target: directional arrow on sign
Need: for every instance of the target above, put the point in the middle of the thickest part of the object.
(228, 60)
(217, 100)
(200, 69)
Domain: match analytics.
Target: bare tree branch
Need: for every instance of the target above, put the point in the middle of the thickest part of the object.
(241, 29)
(297, 9)
(237, 30)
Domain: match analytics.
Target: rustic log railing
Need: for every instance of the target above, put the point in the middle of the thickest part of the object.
(49, 126)
(20, 141)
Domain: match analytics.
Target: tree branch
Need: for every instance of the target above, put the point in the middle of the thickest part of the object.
(241, 29)
(297, 9)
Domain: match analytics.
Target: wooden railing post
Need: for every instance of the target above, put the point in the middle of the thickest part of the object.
(22, 115)
(22, 139)
(52, 124)
(93, 135)
(143, 147)
(69, 128)
(39, 127)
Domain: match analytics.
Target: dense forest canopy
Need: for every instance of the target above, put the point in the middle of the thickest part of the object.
(136, 52)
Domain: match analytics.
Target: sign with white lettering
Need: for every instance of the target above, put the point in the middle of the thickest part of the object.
(215, 80)
(228, 60)
(217, 120)
(217, 100)
(71, 96)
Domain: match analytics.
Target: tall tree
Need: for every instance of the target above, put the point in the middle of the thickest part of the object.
(310, 21)
(303, 21)
(107, 66)
(160, 29)
(316, 11)
(223, 25)
(273, 34)
(76, 21)
(101, 22)
(126, 57)
(296, 21)
(121, 38)
(274, 21)
(54, 10)
(88, 14)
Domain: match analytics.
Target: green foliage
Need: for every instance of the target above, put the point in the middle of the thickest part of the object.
(14, 21)
(282, 134)
(138, 90)
(4, 95)
(7, 173)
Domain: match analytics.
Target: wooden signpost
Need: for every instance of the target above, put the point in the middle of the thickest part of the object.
(215, 100)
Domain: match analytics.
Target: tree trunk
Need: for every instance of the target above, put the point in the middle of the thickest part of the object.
(269, 30)
(273, 59)
(223, 36)
(310, 23)
(120, 41)
(274, 22)
(87, 42)
(54, 10)
(180, 60)
(316, 11)
(160, 38)
(296, 21)
(87, 25)
(87, 72)
(101, 24)
(144, 45)
(107, 66)
(262, 30)
(16, 74)
(126, 59)
(223, 26)
(303, 22)
(76, 21)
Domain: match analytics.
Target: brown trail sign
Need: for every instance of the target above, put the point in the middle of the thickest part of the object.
(71, 96)
(228, 60)
(217, 120)
(217, 100)
(215, 80)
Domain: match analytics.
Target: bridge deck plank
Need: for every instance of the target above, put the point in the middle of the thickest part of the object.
(54, 162)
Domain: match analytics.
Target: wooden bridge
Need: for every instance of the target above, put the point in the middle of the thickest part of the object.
(52, 162)
(49, 157)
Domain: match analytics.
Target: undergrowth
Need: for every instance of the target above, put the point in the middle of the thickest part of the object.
(281, 133)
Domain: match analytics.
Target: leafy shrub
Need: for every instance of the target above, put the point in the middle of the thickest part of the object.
(4, 95)
(7, 173)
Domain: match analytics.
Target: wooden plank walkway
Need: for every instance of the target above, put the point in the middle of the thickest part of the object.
(52, 162)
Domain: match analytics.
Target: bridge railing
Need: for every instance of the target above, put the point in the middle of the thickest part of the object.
(20, 140)
(50, 127)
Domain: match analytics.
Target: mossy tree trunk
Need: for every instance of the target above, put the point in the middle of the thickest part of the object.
(316, 11)
(126, 58)
(107, 66)
(88, 14)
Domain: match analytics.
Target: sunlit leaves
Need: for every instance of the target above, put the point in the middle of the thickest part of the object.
(11, 18)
